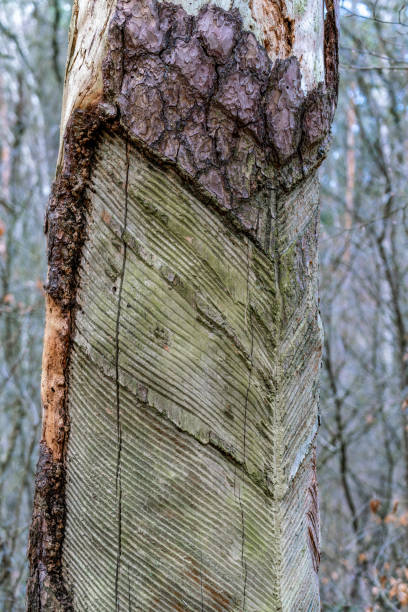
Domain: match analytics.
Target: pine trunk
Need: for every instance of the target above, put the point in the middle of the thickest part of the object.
(182, 343)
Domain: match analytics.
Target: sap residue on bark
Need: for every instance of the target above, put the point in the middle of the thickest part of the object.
(46, 583)
(65, 218)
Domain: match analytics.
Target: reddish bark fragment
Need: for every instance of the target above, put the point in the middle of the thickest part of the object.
(251, 56)
(194, 65)
(142, 32)
(240, 95)
(218, 31)
(283, 108)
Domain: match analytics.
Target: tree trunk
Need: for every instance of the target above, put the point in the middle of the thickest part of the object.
(182, 343)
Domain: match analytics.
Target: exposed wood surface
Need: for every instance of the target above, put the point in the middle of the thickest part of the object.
(192, 401)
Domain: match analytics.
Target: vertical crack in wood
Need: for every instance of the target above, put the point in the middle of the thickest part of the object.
(277, 454)
(251, 331)
(243, 562)
(245, 584)
(201, 582)
(129, 591)
(38, 590)
(118, 415)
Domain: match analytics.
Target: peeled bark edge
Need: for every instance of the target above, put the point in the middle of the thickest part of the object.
(311, 117)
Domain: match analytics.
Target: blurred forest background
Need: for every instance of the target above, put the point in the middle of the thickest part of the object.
(363, 441)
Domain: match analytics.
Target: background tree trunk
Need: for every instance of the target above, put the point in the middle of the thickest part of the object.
(182, 343)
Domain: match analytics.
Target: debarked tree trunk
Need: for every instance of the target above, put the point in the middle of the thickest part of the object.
(182, 343)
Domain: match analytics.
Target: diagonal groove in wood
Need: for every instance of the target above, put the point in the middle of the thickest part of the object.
(263, 486)
(251, 329)
(201, 581)
(117, 385)
(129, 592)
(187, 393)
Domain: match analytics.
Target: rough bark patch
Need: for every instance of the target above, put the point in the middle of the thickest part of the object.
(203, 93)
(46, 589)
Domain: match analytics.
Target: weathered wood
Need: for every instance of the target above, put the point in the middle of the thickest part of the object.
(183, 344)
